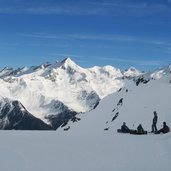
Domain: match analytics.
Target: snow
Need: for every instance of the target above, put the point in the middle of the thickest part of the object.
(87, 147)
(65, 151)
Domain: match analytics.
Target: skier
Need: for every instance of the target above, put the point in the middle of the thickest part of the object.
(163, 130)
(154, 127)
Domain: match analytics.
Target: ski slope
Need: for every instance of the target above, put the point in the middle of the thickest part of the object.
(86, 146)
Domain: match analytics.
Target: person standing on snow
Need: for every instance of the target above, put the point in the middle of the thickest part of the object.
(154, 124)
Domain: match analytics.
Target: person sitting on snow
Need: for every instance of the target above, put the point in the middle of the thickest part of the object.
(163, 130)
(124, 128)
(140, 129)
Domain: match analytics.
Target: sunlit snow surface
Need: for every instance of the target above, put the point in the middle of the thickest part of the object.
(42, 151)
(87, 147)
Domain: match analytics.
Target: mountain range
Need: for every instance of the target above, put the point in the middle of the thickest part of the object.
(50, 95)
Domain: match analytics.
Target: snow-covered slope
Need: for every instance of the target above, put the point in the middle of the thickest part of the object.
(133, 104)
(87, 145)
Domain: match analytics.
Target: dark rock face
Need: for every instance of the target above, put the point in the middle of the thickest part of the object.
(14, 116)
(62, 116)
(116, 115)
(120, 103)
(141, 80)
(91, 99)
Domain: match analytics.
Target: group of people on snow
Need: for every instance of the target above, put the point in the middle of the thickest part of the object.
(165, 129)
(125, 129)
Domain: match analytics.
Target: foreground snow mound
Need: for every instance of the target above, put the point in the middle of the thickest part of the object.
(13, 115)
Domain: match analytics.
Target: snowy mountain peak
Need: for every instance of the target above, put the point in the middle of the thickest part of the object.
(7, 68)
(159, 73)
(133, 69)
(67, 60)
(6, 71)
(44, 65)
(68, 63)
(132, 72)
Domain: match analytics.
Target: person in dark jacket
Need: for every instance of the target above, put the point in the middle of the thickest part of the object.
(164, 130)
(140, 129)
(154, 124)
(124, 128)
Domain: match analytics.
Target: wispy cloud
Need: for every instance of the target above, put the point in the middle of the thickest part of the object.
(143, 4)
(48, 7)
(121, 38)
(117, 7)
(135, 62)
(41, 36)
(66, 55)
(8, 45)
(133, 8)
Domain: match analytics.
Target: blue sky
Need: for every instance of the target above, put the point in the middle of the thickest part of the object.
(121, 33)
